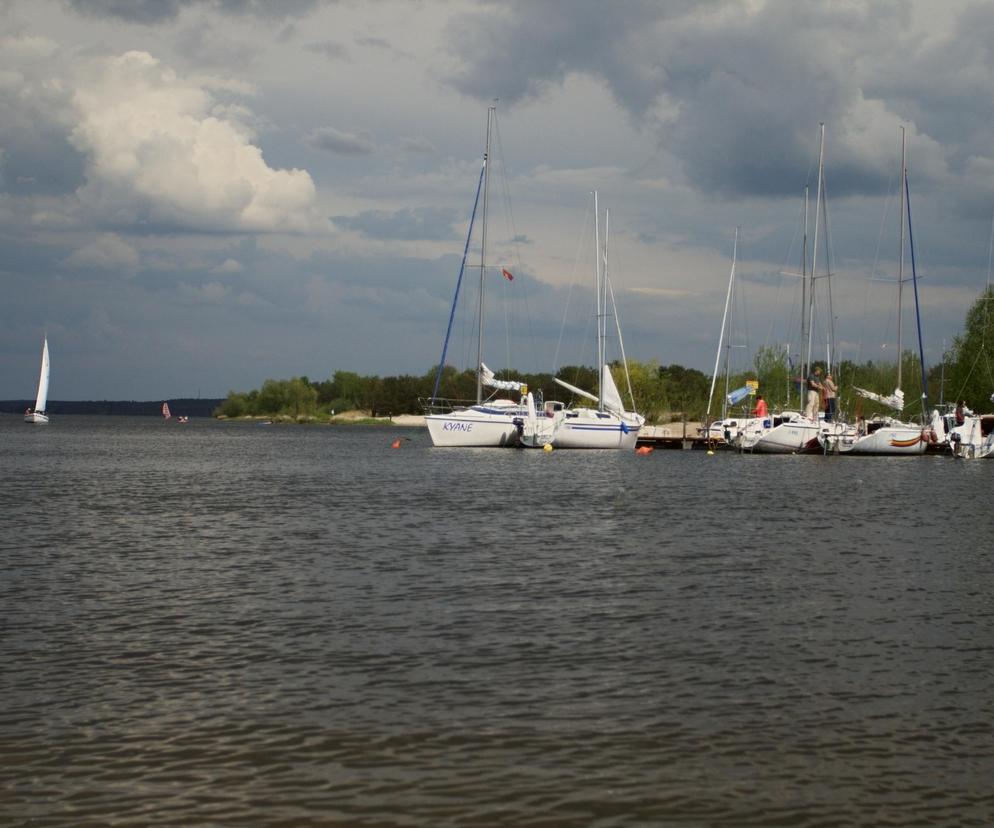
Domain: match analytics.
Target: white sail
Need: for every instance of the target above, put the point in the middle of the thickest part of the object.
(42, 399)
(609, 391)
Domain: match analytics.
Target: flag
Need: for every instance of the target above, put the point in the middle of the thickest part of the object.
(507, 274)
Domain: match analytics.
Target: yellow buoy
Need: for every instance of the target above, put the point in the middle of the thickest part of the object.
(710, 452)
(547, 447)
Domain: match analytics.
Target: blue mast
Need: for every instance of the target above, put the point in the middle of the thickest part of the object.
(462, 269)
(914, 282)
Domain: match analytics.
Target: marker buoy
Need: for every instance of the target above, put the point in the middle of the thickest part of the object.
(644, 450)
(395, 443)
(710, 452)
(547, 447)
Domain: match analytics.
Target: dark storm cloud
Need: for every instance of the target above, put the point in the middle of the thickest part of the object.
(419, 223)
(151, 12)
(39, 163)
(329, 49)
(343, 143)
(132, 11)
(734, 92)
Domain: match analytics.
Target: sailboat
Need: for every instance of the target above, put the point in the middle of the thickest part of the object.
(38, 414)
(487, 422)
(165, 411)
(609, 425)
(727, 429)
(790, 432)
(884, 434)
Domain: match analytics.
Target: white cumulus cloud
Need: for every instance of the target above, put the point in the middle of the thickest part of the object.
(160, 152)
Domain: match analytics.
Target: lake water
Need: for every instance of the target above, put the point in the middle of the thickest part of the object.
(235, 624)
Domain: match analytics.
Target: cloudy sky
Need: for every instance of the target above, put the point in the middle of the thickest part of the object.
(197, 195)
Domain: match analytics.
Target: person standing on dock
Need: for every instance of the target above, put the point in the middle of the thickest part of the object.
(828, 386)
(814, 394)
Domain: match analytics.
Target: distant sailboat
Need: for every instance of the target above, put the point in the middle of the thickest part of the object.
(165, 411)
(38, 414)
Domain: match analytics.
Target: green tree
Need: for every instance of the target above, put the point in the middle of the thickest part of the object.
(774, 376)
(970, 374)
(686, 389)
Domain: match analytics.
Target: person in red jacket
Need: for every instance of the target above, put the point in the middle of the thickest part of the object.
(760, 410)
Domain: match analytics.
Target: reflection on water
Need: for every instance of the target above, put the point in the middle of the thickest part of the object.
(245, 625)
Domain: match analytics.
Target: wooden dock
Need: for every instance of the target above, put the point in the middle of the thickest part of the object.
(683, 436)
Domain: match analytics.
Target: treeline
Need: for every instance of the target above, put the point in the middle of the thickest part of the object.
(654, 388)
(662, 393)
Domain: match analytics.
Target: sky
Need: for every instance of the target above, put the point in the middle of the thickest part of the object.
(199, 195)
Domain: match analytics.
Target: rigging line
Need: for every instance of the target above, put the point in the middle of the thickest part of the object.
(833, 347)
(508, 209)
(569, 295)
(621, 342)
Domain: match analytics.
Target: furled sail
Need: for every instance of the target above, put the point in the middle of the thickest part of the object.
(578, 391)
(895, 400)
(489, 379)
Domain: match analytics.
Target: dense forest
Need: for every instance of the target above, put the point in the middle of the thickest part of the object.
(663, 393)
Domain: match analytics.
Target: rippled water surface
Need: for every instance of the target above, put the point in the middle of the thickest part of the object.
(234, 624)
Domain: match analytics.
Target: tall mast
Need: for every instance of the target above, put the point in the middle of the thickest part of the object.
(491, 111)
(900, 260)
(804, 295)
(597, 284)
(814, 246)
(721, 335)
(604, 282)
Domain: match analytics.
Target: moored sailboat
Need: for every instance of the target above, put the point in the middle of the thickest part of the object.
(486, 422)
(885, 434)
(609, 425)
(791, 432)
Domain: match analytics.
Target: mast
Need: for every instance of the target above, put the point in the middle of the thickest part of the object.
(814, 247)
(804, 300)
(900, 260)
(721, 336)
(918, 313)
(597, 284)
(491, 111)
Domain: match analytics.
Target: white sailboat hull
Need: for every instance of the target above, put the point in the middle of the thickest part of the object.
(788, 437)
(583, 428)
(474, 427)
(969, 442)
(893, 439)
(598, 430)
(36, 417)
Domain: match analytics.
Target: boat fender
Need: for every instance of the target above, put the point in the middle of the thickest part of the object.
(395, 443)
(644, 450)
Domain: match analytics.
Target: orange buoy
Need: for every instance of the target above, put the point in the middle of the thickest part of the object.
(395, 443)
(644, 450)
